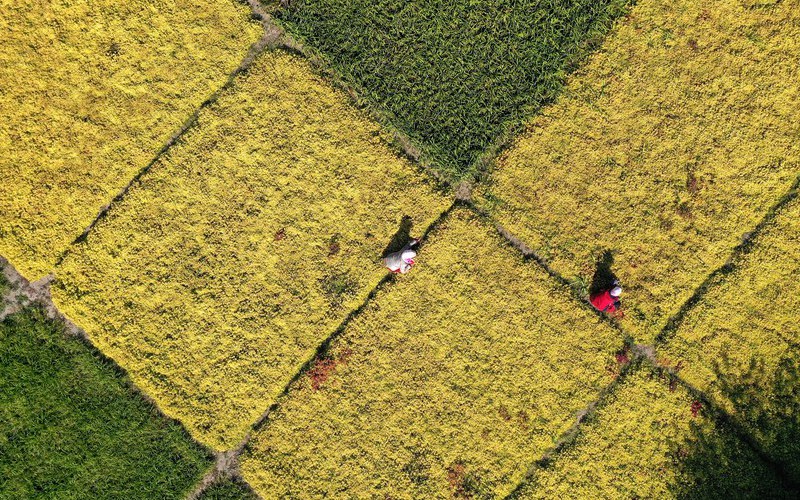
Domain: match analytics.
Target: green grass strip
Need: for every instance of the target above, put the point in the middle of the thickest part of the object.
(70, 426)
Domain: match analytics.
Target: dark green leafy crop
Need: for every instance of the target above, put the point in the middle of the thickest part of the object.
(455, 75)
(71, 428)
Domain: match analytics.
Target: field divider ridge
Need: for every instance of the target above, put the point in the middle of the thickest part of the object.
(748, 239)
(570, 435)
(269, 39)
(227, 462)
(529, 255)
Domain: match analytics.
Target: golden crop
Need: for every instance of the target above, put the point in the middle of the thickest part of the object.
(242, 249)
(739, 343)
(652, 440)
(665, 148)
(89, 91)
(455, 378)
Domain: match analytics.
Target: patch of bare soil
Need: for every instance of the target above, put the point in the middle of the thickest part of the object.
(23, 293)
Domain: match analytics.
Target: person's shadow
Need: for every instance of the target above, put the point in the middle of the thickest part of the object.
(604, 277)
(400, 238)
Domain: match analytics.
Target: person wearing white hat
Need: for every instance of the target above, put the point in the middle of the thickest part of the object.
(402, 260)
(607, 300)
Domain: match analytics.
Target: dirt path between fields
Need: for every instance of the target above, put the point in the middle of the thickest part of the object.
(23, 293)
(226, 466)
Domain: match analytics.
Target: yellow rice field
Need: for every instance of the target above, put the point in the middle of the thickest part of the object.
(89, 91)
(242, 271)
(647, 441)
(668, 146)
(740, 343)
(244, 247)
(454, 379)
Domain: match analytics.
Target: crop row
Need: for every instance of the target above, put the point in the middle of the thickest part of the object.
(741, 342)
(451, 380)
(663, 150)
(244, 247)
(90, 91)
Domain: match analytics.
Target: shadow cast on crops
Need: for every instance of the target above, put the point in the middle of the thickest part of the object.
(766, 398)
(401, 237)
(767, 409)
(604, 277)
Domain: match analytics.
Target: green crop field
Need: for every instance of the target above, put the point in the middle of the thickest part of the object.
(70, 427)
(453, 75)
(197, 197)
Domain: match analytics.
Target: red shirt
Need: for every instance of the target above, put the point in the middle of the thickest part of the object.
(604, 301)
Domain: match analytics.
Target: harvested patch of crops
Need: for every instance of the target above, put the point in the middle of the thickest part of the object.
(673, 141)
(741, 342)
(219, 274)
(651, 439)
(89, 92)
(70, 426)
(450, 382)
(453, 75)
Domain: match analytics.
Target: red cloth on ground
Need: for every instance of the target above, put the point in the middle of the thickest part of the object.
(604, 301)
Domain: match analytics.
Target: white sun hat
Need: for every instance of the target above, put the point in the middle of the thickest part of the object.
(408, 255)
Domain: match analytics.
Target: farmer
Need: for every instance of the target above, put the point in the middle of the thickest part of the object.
(402, 260)
(607, 300)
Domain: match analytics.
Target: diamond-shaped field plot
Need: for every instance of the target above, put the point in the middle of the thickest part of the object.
(454, 75)
(666, 148)
(89, 91)
(741, 342)
(650, 439)
(458, 376)
(244, 247)
(72, 427)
